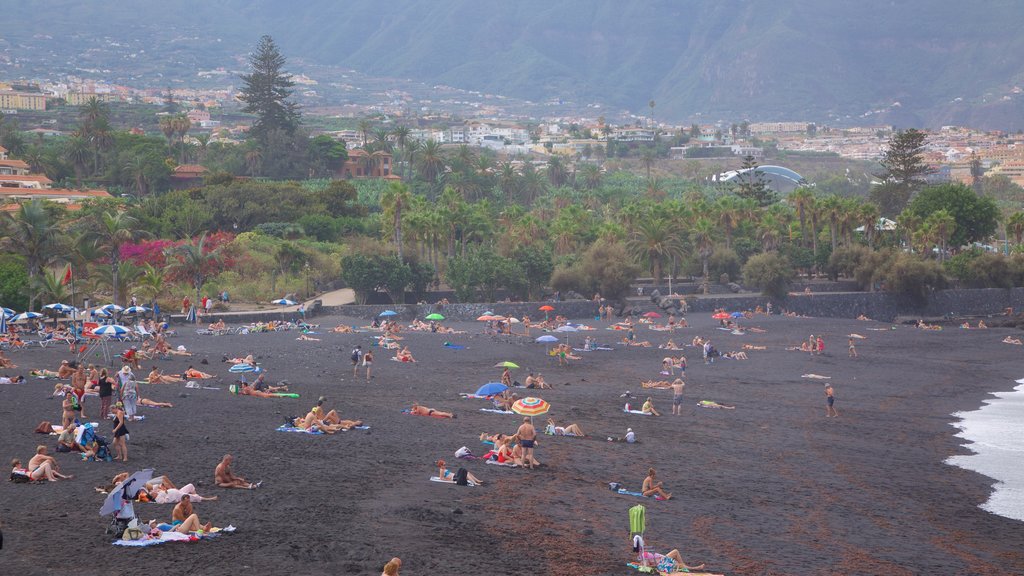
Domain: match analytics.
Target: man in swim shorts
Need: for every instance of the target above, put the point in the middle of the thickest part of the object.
(527, 440)
(830, 399)
(677, 396)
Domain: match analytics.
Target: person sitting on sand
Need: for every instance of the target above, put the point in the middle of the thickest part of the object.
(981, 325)
(404, 355)
(193, 374)
(641, 344)
(261, 385)
(66, 441)
(65, 371)
(670, 345)
(1011, 340)
(652, 487)
(386, 343)
(38, 473)
(225, 478)
(537, 382)
(505, 400)
(246, 390)
(570, 430)
(697, 341)
(648, 408)
(495, 439)
(670, 563)
(218, 326)
(446, 474)
(155, 377)
(965, 326)
(42, 464)
(424, 411)
(185, 520)
(735, 355)
(863, 318)
(329, 423)
(391, 568)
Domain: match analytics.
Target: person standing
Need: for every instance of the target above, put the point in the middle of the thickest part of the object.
(357, 354)
(302, 312)
(820, 346)
(830, 400)
(185, 305)
(368, 362)
(120, 433)
(677, 396)
(106, 393)
(527, 440)
(853, 349)
(128, 391)
(208, 304)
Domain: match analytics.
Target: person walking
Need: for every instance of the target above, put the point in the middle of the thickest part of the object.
(853, 349)
(208, 304)
(677, 396)
(357, 354)
(128, 391)
(830, 400)
(368, 362)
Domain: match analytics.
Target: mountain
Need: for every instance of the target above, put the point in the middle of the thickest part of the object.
(909, 62)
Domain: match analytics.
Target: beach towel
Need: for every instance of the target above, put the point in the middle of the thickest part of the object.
(625, 492)
(713, 404)
(469, 396)
(816, 377)
(496, 411)
(648, 570)
(505, 464)
(639, 412)
(436, 479)
(167, 535)
(283, 428)
(451, 346)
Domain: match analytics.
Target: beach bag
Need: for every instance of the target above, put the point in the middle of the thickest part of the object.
(133, 533)
(462, 477)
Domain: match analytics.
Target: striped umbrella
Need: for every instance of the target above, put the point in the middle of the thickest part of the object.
(111, 331)
(283, 302)
(62, 308)
(530, 406)
(8, 312)
(243, 367)
(191, 317)
(3, 323)
(101, 313)
(113, 308)
(26, 316)
(136, 310)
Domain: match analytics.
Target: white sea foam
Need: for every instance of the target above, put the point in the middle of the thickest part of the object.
(995, 433)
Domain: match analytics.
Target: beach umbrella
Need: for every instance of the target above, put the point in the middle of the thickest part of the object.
(652, 315)
(101, 313)
(3, 324)
(136, 310)
(8, 312)
(243, 367)
(491, 388)
(388, 313)
(113, 308)
(485, 318)
(513, 320)
(26, 316)
(546, 338)
(720, 315)
(126, 490)
(111, 331)
(283, 302)
(546, 308)
(530, 406)
(434, 316)
(506, 364)
(567, 328)
(736, 315)
(62, 308)
(489, 313)
(191, 317)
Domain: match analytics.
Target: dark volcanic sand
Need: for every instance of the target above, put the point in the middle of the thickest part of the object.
(772, 487)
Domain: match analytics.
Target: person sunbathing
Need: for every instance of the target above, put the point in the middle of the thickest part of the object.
(307, 338)
(15, 380)
(44, 373)
(752, 347)
(671, 563)
(37, 474)
(218, 326)
(43, 464)
(642, 344)
(863, 318)
(652, 487)
(404, 355)
(387, 343)
(446, 474)
(1011, 340)
(6, 362)
(659, 384)
(154, 404)
(570, 430)
(981, 325)
(697, 341)
(193, 374)
(185, 520)
(495, 439)
(246, 390)
(736, 355)
(342, 329)
(179, 351)
(648, 408)
(155, 377)
(424, 411)
(163, 494)
(329, 423)
(225, 478)
(670, 345)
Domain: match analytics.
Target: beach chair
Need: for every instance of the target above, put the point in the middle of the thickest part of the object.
(142, 332)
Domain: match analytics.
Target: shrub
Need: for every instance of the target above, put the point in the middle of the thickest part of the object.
(844, 261)
(771, 273)
(571, 277)
(722, 261)
(989, 271)
(13, 283)
(913, 277)
(608, 269)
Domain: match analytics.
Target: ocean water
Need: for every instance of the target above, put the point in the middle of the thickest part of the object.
(995, 433)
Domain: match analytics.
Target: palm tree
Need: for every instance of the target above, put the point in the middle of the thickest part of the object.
(382, 140)
(181, 125)
(508, 181)
(168, 127)
(109, 232)
(31, 233)
(531, 184)
(868, 215)
(394, 199)
(364, 128)
(136, 167)
(802, 198)
(431, 162)
(590, 176)
(730, 213)
(204, 143)
(1015, 224)
(151, 283)
(76, 151)
(769, 231)
(647, 158)
(656, 241)
(703, 236)
(254, 160)
(556, 171)
(194, 261)
(401, 134)
(908, 222)
(120, 277)
(832, 209)
(942, 224)
(49, 286)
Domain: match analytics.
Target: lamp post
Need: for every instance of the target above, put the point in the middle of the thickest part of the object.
(306, 268)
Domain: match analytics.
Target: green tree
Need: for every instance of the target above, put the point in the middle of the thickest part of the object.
(750, 183)
(1015, 225)
(30, 232)
(976, 216)
(771, 273)
(703, 237)
(395, 199)
(13, 283)
(195, 261)
(266, 89)
(109, 232)
(537, 266)
(903, 171)
(608, 270)
(656, 241)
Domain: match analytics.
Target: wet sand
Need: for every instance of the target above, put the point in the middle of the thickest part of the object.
(772, 487)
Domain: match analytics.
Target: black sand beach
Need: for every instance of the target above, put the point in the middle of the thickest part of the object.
(772, 487)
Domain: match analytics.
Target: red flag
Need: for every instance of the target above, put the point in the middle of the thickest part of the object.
(67, 276)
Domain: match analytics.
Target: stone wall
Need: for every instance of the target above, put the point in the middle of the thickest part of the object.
(468, 312)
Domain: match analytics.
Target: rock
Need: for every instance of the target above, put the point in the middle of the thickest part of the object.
(587, 532)
(457, 511)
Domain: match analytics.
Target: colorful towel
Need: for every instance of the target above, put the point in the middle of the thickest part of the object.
(454, 346)
(283, 428)
(713, 404)
(625, 492)
(638, 412)
(496, 411)
(436, 479)
(167, 535)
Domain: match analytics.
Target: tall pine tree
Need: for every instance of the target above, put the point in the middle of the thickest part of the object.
(266, 90)
(903, 171)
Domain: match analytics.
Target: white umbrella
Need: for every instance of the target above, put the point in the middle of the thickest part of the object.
(136, 310)
(112, 308)
(126, 490)
(8, 312)
(283, 302)
(111, 331)
(101, 313)
(62, 308)
(26, 316)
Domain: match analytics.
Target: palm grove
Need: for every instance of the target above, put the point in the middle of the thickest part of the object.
(458, 216)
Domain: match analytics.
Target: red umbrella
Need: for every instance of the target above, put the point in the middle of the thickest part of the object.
(545, 308)
(720, 316)
(652, 315)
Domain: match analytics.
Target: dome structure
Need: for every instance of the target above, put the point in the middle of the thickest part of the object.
(780, 179)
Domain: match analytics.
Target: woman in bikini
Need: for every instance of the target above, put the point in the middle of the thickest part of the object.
(120, 433)
(446, 474)
(652, 487)
(155, 377)
(570, 430)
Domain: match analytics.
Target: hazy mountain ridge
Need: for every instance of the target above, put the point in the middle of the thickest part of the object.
(783, 59)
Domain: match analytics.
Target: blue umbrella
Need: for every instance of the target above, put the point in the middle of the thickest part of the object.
(112, 331)
(243, 367)
(737, 314)
(546, 338)
(283, 302)
(136, 310)
(62, 308)
(8, 312)
(388, 313)
(491, 388)
(113, 308)
(26, 316)
(191, 316)
(3, 324)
